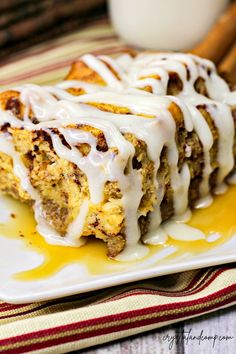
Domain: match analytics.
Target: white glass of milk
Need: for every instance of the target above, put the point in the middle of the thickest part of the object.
(164, 24)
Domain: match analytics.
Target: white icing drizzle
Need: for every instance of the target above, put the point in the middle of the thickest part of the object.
(76, 227)
(213, 237)
(205, 136)
(232, 179)
(55, 107)
(182, 232)
(156, 237)
(20, 171)
(52, 236)
(222, 116)
(76, 84)
(119, 69)
(204, 202)
(164, 127)
(98, 66)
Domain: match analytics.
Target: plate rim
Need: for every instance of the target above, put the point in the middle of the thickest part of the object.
(113, 280)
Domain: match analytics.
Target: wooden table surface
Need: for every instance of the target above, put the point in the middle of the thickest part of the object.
(162, 341)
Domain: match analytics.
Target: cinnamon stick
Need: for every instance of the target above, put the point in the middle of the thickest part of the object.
(220, 38)
(227, 67)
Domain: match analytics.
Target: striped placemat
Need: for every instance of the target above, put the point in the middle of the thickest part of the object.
(48, 63)
(84, 320)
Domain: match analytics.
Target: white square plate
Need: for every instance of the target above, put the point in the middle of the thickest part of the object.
(75, 278)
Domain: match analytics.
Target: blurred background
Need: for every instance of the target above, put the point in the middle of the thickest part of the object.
(24, 23)
(203, 27)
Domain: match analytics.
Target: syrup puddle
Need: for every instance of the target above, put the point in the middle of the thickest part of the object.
(218, 222)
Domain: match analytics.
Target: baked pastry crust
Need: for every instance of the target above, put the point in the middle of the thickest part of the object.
(117, 94)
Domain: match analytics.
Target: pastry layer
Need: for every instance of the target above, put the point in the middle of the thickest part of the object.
(107, 154)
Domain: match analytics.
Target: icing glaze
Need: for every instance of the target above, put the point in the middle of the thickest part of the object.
(149, 119)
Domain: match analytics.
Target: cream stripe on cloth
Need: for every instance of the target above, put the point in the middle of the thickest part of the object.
(84, 320)
(122, 312)
(48, 63)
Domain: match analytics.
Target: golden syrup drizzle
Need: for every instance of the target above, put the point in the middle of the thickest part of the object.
(220, 217)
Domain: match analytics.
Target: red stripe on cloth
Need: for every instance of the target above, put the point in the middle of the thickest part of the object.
(108, 330)
(125, 293)
(59, 65)
(52, 46)
(60, 301)
(201, 286)
(36, 308)
(42, 70)
(204, 274)
(114, 298)
(9, 307)
(118, 317)
(41, 48)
